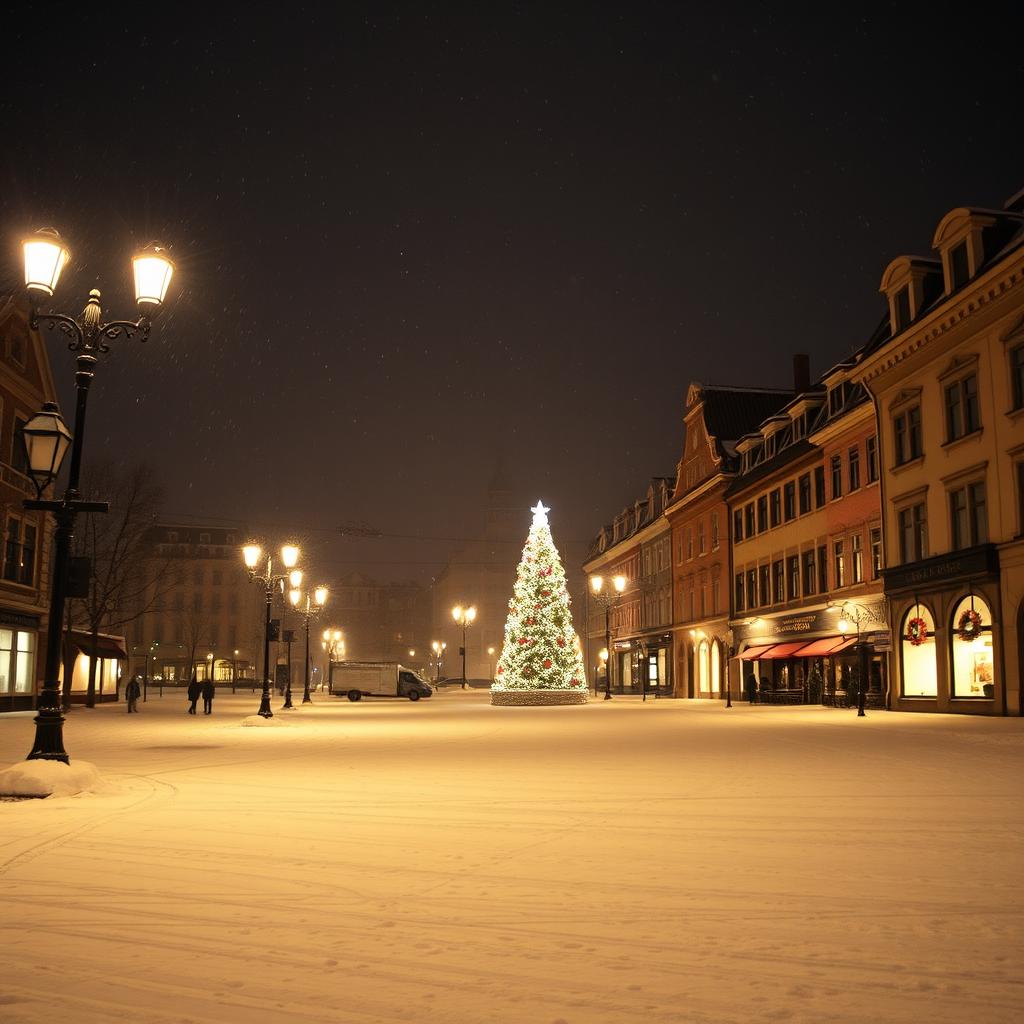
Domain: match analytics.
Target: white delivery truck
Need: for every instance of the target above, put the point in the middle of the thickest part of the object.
(358, 679)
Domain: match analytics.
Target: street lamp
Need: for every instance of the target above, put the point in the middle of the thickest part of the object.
(607, 597)
(253, 556)
(603, 655)
(209, 666)
(463, 617)
(856, 614)
(47, 438)
(334, 644)
(314, 605)
(490, 662)
(438, 648)
(234, 670)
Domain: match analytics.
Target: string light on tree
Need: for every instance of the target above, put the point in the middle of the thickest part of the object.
(541, 659)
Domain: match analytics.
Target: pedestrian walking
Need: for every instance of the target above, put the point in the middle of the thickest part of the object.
(751, 687)
(194, 690)
(208, 691)
(132, 692)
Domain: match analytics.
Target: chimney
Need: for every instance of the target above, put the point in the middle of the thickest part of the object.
(801, 373)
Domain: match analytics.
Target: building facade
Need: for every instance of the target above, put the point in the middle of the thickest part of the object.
(947, 379)
(698, 518)
(807, 553)
(25, 384)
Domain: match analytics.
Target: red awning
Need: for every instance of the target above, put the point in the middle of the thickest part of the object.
(753, 653)
(843, 646)
(787, 650)
(819, 648)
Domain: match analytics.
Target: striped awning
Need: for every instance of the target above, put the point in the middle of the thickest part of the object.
(819, 648)
(787, 650)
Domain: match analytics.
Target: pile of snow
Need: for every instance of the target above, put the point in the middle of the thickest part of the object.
(52, 778)
(259, 720)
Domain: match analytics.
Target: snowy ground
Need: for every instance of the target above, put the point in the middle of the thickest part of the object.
(454, 862)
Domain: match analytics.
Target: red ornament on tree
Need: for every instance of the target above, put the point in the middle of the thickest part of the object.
(500, 670)
(523, 640)
(547, 663)
(561, 642)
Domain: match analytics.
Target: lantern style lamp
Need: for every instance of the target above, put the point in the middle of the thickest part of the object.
(295, 577)
(251, 553)
(289, 555)
(295, 596)
(153, 269)
(46, 438)
(45, 258)
(619, 582)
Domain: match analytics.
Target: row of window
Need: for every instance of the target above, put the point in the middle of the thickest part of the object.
(20, 551)
(807, 492)
(968, 520)
(685, 539)
(806, 574)
(962, 410)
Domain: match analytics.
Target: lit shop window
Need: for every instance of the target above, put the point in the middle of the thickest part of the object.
(918, 651)
(17, 661)
(973, 665)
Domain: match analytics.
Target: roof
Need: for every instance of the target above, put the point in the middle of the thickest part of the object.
(729, 413)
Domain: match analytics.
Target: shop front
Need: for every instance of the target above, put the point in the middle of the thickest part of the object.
(946, 617)
(644, 666)
(814, 657)
(110, 655)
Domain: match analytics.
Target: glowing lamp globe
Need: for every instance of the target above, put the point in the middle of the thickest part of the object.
(153, 270)
(46, 439)
(295, 596)
(289, 555)
(620, 583)
(295, 577)
(251, 553)
(45, 258)
(597, 584)
(320, 595)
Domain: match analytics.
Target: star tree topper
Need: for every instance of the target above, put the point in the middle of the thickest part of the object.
(540, 514)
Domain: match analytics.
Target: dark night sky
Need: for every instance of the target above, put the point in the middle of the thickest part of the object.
(409, 239)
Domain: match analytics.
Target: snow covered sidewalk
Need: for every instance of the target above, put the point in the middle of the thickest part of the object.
(449, 861)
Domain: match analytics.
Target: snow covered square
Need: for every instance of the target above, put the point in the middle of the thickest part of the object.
(450, 861)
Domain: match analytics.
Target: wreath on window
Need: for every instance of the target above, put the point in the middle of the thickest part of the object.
(969, 625)
(917, 631)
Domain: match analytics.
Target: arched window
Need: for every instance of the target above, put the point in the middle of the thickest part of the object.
(919, 653)
(703, 653)
(716, 668)
(971, 640)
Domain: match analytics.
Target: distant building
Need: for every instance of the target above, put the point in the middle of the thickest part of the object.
(381, 621)
(481, 573)
(25, 384)
(202, 611)
(637, 545)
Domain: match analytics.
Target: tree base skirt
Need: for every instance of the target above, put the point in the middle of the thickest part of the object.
(522, 698)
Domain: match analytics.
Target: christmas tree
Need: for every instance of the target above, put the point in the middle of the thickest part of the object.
(541, 660)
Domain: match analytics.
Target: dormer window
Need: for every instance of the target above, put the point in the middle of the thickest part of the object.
(901, 307)
(836, 396)
(798, 427)
(959, 267)
(769, 447)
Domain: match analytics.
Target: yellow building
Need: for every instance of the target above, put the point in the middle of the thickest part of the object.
(947, 380)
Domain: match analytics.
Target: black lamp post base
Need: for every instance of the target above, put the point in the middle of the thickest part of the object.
(265, 710)
(607, 695)
(306, 699)
(49, 741)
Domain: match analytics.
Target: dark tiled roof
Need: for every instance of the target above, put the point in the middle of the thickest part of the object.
(729, 413)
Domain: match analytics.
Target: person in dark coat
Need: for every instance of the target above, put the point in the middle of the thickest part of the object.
(208, 691)
(132, 692)
(751, 684)
(194, 690)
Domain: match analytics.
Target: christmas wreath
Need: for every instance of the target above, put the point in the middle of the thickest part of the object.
(969, 625)
(917, 631)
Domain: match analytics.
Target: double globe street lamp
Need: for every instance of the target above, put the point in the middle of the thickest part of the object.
(253, 556)
(334, 646)
(314, 605)
(607, 597)
(47, 438)
(463, 617)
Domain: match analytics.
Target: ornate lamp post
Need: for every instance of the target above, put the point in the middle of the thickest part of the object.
(856, 614)
(607, 597)
(463, 617)
(47, 438)
(490, 662)
(314, 605)
(253, 556)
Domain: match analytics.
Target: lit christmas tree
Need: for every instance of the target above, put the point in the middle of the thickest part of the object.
(541, 660)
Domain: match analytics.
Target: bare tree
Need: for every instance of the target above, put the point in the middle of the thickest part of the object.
(125, 584)
(196, 632)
